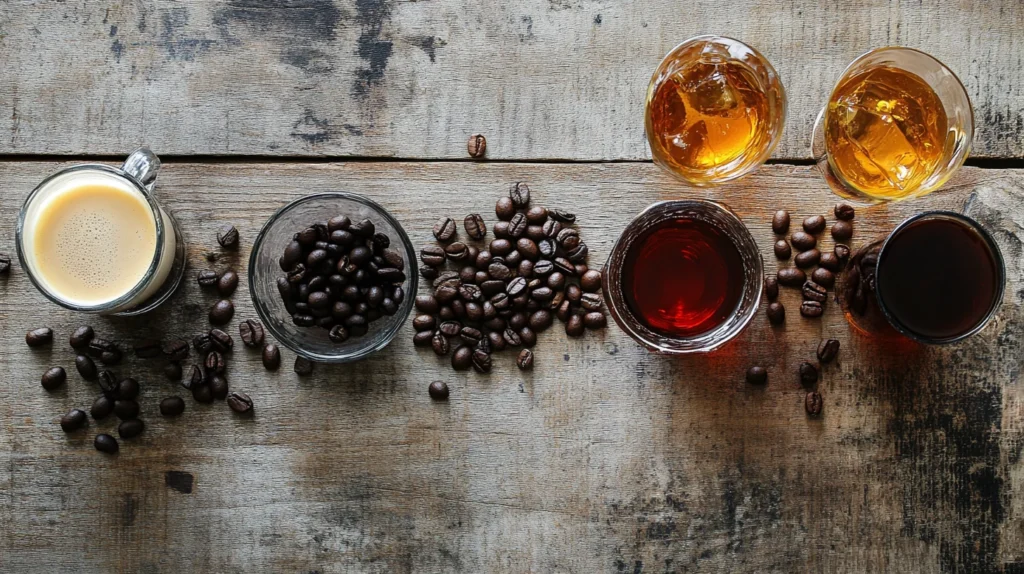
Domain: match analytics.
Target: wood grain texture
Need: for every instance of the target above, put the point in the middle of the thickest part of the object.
(603, 459)
(542, 79)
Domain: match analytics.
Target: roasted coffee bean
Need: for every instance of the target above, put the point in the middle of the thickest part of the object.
(475, 226)
(481, 361)
(546, 248)
(556, 282)
(527, 337)
(172, 371)
(81, 337)
(86, 367)
(306, 237)
(811, 309)
(574, 327)
(450, 328)
(105, 444)
(172, 406)
(823, 277)
(844, 211)
(568, 238)
(209, 278)
(535, 232)
(579, 253)
(126, 409)
(424, 322)
(573, 293)
(551, 229)
(101, 407)
(591, 301)
(148, 349)
(202, 393)
(757, 375)
(562, 216)
(214, 363)
(74, 420)
(497, 342)
(110, 357)
(501, 247)
(53, 378)
(297, 274)
(432, 256)
(220, 340)
(303, 366)
(543, 267)
(590, 281)
(780, 222)
(251, 332)
(511, 337)
(227, 237)
(176, 350)
(842, 230)
(802, 241)
(476, 146)
(359, 256)
(516, 287)
(808, 373)
(807, 258)
(438, 390)
(791, 277)
(842, 252)
(525, 268)
(813, 403)
(130, 428)
(39, 337)
(380, 242)
(771, 287)
(227, 283)
(394, 259)
(439, 343)
(520, 194)
(195, 377)
(128, 388)
(470, 336)
(827, 350)
(462, 358)
(501, 229)
(518, 320)
(222, 312)
(271, 357)
(457, 251)
(218, 387)
(782, 249)
(470, 292)
(338, 334)
(814, 292)
(239, 402)
(363, 228)
(426, 304)
(776, 313)
(468, 274)
(423, 338)
(108, 384)
(338, 222)
(540, 320)
(594, 320)
(5, 264)
(505, 209)
(542, 294)
(829, 261)
(814, 224)
(537, 215)
(564, 265)
(528, 249)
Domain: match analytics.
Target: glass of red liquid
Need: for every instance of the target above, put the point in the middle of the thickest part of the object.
(937, 278)
(684, 277)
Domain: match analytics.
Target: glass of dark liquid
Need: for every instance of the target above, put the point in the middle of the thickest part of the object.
(937, 278)
(684, 277)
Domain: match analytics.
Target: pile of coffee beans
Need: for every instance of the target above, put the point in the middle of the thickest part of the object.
(341, 275)
(502, 294)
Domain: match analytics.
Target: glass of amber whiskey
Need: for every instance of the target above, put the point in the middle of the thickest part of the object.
(897, 125)
(715, 110)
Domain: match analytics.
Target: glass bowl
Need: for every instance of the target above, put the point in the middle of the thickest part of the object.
(264, 270)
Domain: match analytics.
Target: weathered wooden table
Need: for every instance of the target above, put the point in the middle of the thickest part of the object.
(604, 458)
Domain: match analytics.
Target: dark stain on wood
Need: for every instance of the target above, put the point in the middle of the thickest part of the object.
(129, 508)
(300, 20)
(311, 129)
(307, 59)
(371, 46)
(428, 44)
(179, 480)
(174, 36)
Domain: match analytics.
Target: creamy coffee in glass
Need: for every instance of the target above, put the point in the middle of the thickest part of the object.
(92, 238)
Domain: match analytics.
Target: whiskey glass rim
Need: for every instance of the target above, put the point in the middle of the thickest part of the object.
(777, 127)
(143, 282)
(714, 213)
(993, 249)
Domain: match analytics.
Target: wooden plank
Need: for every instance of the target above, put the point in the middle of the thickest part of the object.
(605, 458)
(542, 79)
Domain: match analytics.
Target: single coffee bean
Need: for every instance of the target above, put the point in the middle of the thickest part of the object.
(438, 390)
(543, 294)
(542, 268)
(546, 248)
(470, 335)
(175, 350)
(53, 378)
(776, 313)
(195, 378)
(208, 278)
(556, 282)
(81, 337)
(525, 360)
(239, 402)
(271, 357)
(757, 375)
(363, 228)
(540, 320)
(771, 287)
(827, 350)
(780, 222)
(564, 265)
(501, 247)
(380, 242)
(172, 406)
(128, 388)
(591, 281)
(528, 249)
(481, 361)
(823, 277)
(338, 222)
(814, 224)
(74, 420)
(791, 277)
(808, 373)
(527, 337)
(222, 312)
(568, 238)
(505, 209)
(86, 367)
(148, 349)
(829, 261)
(432, 256)
(39, 337)
(427, 304)
(842, 230)
(338, 334)
(462, 358)
(424, 322)
(450, 328)
(130, 428)
(802, 241)
(591, 301)
(476, 146)
(501, 228)
(105, 444)
(551, 229)
(297, 274)
(251, 332)
(844, 211)
(468, 274)
(807, 258)
(227, 237)
(562, 216)
(813, 403)
(594, 320)
(218, 387)
(202, 393)
(108, 384)
(172, 371)
(475, 226)
(126, 409)
(470, 292)
(439, 343)
(520, 194)
(227, 283)
(101, 407)
(537, 215)
(110, 357)
(220, 341)
(423, 338)
(214, 363)
(574, 327)
(457, 251)
(783, 250)
(497, 342)
(303, 366)
(814, 292)
(811, 309)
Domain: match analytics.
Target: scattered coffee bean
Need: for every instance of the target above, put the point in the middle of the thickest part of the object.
(227, 237)
(574, 327)
(126, 409)
(520, 194)
(827, 350)
(813, 403)
(591, 301)
(424, 323)
(214, 363)
(803, 241)
(814, 292)
(202, 394)
(782, 250)
(457, 251)
(130, 428)
(271, 357)
(172, 406)
(81, 338)
(842, 252)
(106, 444)
(505, 209)
(527, 337)
(222, 312)
(39, 337)
(128, 388)
(594, 320)
(218, 387)
(462, 358)
(53, 378)
(303, 366)
(481, 361)
(220, 341)
(172, 371)
(525, 360)
(148, 349)
(438, 390)
(74, 420)
(475, 226)
(814, 224)
(829, 261)
(227, 283)
(101, 407)
(808, 373)
(823, 277)
(195, 378)
(108, 384)
(807, 258)
(811, 309)
(207, 278)
(771, 287)
(423, 338)
(757, 375)
(251, 332)
(176, 350)
(432, 256)
(791, 277)
(780, 222)
(477, 146)
(590, 281)
(776, 313)
(440, 344)
(240, 402)
(844, 211)
(842, 230)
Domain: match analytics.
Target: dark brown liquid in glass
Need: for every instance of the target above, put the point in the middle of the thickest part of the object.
(937, 279)
(683, 278)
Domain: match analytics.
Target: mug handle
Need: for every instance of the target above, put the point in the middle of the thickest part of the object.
(143, 165)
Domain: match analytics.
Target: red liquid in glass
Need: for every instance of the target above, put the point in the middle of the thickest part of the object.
(683, 278)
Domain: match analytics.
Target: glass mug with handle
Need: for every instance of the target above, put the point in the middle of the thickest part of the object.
(897, 125)
(93, 238)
